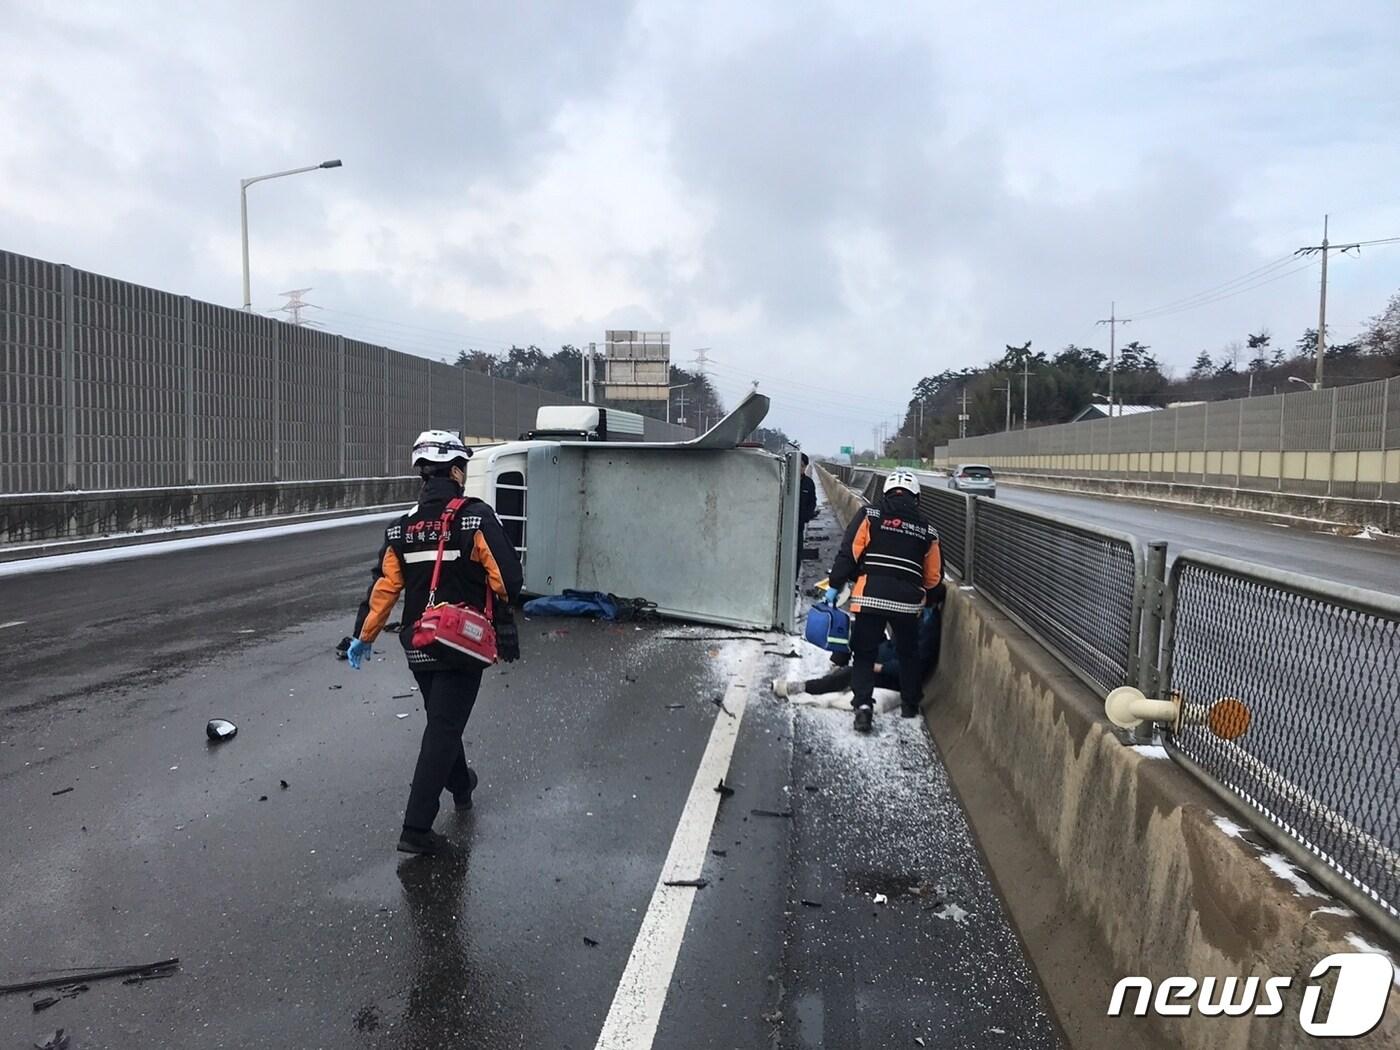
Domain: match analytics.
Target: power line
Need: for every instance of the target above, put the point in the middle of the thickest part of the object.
(1257, 272)
(783, 381)
(1163, 312)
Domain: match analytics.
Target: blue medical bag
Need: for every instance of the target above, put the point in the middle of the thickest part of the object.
(829, 628)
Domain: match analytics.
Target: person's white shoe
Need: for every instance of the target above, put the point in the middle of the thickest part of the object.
(780, 687)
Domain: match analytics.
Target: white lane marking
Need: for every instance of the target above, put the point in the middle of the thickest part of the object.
(13, 623)
(641, 993)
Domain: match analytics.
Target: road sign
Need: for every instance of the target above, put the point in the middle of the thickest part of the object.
(846, 450)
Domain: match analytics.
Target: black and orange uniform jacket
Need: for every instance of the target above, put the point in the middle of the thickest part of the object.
(893, 556)
(478, 555)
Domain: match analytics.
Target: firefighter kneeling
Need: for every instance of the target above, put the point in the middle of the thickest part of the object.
(892, 554)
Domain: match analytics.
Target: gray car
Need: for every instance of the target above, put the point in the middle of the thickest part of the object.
(976, 479)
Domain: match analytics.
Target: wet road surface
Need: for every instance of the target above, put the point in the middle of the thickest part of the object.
(1360, 562)
(267, 865)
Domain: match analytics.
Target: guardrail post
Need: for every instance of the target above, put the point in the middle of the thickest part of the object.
(970, 542)
(1153, 598)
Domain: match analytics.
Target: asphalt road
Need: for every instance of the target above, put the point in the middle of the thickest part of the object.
(1370, 563)
(266, 864)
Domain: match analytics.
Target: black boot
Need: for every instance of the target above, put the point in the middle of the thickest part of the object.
(424, 842)
(865, 719)
(908, 710)
(464, 800)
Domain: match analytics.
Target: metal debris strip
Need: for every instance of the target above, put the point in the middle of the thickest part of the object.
(75, 977)
(1317, 666)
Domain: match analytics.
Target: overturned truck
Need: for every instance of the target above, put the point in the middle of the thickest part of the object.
(706, 528)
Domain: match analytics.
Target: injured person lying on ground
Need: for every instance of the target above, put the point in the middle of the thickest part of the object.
(834, 688)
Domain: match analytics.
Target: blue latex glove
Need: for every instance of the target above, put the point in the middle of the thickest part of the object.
(831, 596)
(357, 652)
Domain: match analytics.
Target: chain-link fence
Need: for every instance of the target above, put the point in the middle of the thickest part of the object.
(1074, 587)
(1317, 666)
(108, 384)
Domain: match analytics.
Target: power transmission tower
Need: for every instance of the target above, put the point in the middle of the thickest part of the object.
(294, 305)
(702, 364)
(1323, 249)
(1113, 321)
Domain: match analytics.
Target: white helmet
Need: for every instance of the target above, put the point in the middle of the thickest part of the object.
(902, 479)
(438, 446)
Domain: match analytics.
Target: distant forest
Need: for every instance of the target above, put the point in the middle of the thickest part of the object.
(1063, 382)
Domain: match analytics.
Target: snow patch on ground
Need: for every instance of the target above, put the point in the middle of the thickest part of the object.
(1151, 750)
(1335, 909)
(1230, 828)
(185, 543)
(886, 700)
(1285, 869)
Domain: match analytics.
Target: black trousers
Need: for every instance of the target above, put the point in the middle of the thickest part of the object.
(839, 680)
(867, 632)
(448, 697)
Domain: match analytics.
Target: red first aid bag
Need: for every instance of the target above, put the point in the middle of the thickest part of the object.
(458, 635)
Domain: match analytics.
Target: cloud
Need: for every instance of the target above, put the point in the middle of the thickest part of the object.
(838, 198)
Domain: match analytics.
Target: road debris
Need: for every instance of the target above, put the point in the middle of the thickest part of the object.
(220, 729)
(74, 978)
(723, 790)
(61, 791)
(674, 707)
(284, 784)
(720, 852)
(810, 903)
(402, 714)
(590, 942)
(56, 1041)
(719, 702)
(698, 884)
(786, 814)
(880, 898)
(66, 991)
(402, 696)
(342, 647)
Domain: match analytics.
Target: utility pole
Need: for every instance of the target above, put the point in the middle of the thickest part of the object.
(680, 404)
(919, 437)
(962, 416)
(1008, 402)
(1323, 249)
(1025, 389)
(592, 373)
(1113, 321)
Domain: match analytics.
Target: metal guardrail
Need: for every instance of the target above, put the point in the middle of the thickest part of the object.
(1075, 588)
(947, 511)
(1317, 664)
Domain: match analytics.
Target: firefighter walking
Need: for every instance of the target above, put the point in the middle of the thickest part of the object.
(891, 555)
(476, 555)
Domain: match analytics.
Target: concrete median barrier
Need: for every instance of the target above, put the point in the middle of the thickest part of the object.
(38, 519)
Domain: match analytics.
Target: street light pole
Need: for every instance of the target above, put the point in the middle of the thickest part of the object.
(243, 185)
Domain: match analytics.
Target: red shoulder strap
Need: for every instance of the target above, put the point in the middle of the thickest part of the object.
(444, 526)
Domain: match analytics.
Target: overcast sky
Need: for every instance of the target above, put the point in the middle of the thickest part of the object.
(838, 198)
